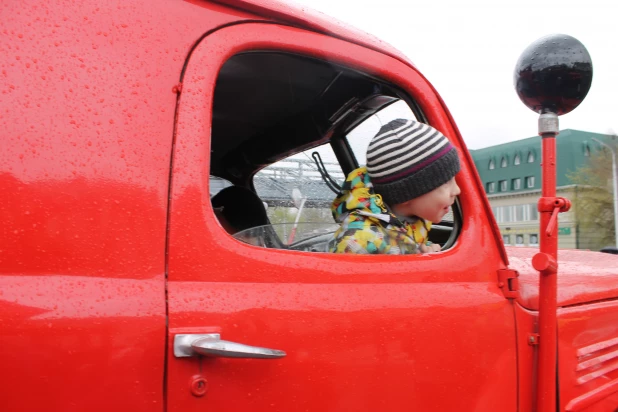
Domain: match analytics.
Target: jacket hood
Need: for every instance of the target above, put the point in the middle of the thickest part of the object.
(358, 202)
(367, 224)
(583, 276)
(357, 195)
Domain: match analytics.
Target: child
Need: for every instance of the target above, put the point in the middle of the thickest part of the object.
(409, 182)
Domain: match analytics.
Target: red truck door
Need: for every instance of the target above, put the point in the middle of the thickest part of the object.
(380, 332)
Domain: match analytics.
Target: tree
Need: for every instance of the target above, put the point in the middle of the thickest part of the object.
(593, 202)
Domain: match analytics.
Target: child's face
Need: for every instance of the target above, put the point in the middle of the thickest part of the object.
(431, 206)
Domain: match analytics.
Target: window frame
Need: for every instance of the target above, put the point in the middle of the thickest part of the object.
(516, 183)
(529, 181)
(503, 185)
(412, 84)
(533, 213)
(519, 213)
(531, 157)
(496, 212)
(517, 237)
(506, 213)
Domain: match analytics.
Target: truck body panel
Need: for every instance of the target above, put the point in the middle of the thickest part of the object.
(110, 246)
(584, 276)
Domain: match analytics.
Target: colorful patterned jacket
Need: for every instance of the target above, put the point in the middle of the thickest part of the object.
(368, 226)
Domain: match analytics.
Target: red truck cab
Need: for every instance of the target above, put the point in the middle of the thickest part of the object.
(120, 288)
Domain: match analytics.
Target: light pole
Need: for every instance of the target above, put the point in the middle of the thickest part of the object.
(552, 77)
(615, 183)
(299, 202)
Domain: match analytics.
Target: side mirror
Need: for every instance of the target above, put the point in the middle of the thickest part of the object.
(554, 74)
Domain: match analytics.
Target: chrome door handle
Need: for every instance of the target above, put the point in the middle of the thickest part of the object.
(211, 345)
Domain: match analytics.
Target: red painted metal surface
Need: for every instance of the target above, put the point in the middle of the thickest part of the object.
(363, 333)
(546, 395)
(588, 357)
(88, 112)
(87, 116)
(587, 332)
(527, 355)
(306, 18)
(584, 277)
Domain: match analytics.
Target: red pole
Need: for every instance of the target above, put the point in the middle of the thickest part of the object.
(553, 74)
(545, 262)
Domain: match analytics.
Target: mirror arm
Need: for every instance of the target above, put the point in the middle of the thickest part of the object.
(330, 182)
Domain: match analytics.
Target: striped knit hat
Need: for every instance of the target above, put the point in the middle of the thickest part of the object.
(407, 159)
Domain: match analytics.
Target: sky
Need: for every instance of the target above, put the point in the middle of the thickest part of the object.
(468, 51)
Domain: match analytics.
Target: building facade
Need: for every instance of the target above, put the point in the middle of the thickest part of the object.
(511, 175)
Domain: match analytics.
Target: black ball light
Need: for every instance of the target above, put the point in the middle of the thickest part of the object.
(554, 74)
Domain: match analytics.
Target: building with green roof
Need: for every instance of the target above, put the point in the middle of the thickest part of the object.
(511, 175)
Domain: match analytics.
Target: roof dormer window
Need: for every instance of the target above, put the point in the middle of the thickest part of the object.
(504, 162)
